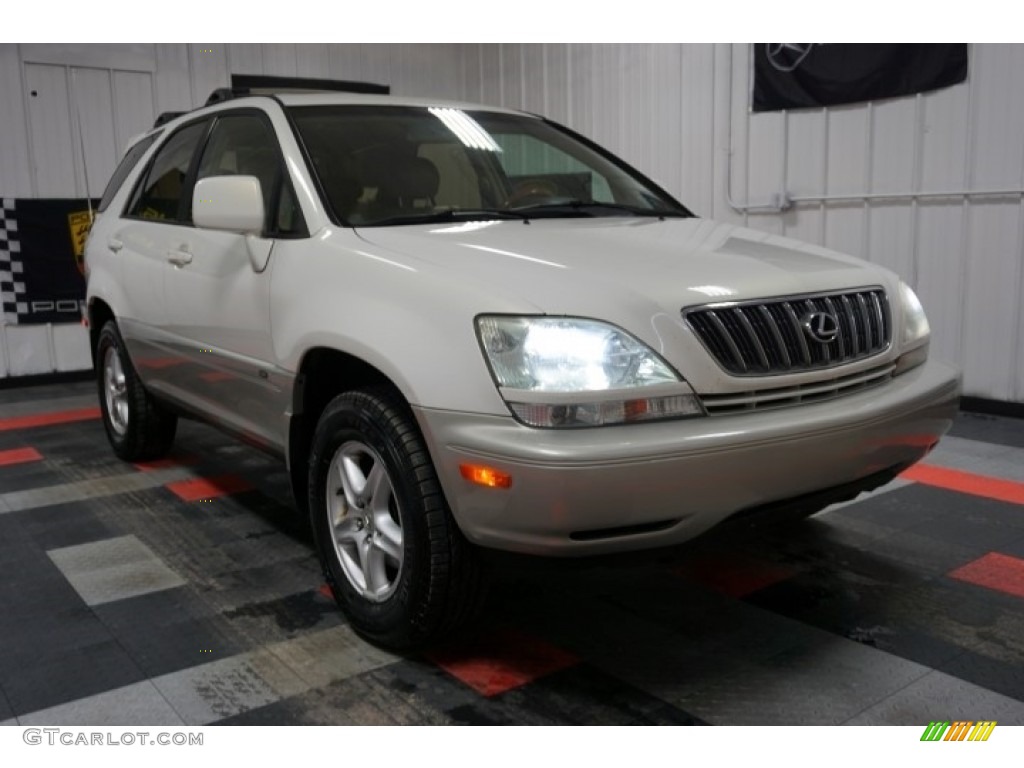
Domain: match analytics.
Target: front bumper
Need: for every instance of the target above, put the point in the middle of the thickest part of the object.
(612, 489)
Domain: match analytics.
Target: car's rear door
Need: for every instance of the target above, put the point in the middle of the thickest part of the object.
(148, 233)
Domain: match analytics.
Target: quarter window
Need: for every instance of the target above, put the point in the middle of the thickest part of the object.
(129, 161)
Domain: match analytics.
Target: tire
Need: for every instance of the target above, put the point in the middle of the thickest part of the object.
(391, 551)
(137, 426)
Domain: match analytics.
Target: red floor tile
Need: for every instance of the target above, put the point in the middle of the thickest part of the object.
(734, 575)
(208, 487)
(46, 419)
(19, 456)
(995, 571)
(966, 482)
(502, 661)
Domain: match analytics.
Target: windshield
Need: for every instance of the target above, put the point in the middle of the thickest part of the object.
(384, 165)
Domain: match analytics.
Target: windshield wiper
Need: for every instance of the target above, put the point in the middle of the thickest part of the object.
(449, 214)
(562, 207)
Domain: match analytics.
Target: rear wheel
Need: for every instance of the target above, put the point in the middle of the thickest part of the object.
(397, 563)
(137, 426)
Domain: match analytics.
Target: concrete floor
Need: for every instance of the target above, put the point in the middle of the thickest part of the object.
(186, 592)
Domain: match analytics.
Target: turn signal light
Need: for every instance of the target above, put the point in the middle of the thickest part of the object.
(484, 475)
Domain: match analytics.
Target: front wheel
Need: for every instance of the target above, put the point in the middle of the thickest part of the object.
(397, 563)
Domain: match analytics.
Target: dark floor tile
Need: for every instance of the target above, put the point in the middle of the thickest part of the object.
(293, 711)
(6, 711)
(990, 429)
(28, 476)
(73, 674)
(169, 630)
(582, 695)
(42, 392)
(46, 629)
(64, 525)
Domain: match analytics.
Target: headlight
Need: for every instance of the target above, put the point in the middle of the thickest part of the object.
(570, 372)
(915, 324)
(915, 332)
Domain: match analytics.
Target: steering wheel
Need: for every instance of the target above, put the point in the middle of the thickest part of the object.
(531, 191)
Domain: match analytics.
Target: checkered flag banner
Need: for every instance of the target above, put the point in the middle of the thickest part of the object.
(12, 285)
(42, 242)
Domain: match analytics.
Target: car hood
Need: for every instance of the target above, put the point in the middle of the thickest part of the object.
(603, 266)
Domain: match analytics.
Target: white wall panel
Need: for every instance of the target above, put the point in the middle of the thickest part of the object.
(280, 59)
(29, 349)
(685, 115)
(15, 164)
(313, 60)
(49, 118)
(245, 58)
(92, 108)
(172, 79)
(134, 110)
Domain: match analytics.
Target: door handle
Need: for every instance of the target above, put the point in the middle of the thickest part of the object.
(114, 244)
(179, 258)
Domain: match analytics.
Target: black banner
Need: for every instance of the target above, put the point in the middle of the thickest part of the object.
(798, 75)
(41, 246)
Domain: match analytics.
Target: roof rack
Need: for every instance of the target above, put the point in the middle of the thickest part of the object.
(256, 85)
(261, 85)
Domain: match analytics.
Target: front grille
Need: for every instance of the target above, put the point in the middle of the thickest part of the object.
(780, 397)
(768, 337)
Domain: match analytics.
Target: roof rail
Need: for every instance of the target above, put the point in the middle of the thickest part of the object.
(166, 117)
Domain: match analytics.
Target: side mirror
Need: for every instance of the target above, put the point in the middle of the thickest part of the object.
(230, 203)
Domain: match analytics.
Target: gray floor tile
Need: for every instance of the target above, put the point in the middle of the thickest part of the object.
(137, 704)
(938, 696)
(113, 569)
(979, 457)
(823, 683)
(18, 501)
(228, 687)
(333, 654)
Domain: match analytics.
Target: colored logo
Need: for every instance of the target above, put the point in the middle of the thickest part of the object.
(79, 224)
(961, 730)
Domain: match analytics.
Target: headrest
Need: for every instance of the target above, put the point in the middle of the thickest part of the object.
(399, 174)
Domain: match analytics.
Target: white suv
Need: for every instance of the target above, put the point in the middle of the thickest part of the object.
(468, 327)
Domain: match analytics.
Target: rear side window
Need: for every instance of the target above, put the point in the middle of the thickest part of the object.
(128, 162)
(160, 195)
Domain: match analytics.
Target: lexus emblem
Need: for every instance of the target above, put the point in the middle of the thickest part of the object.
(821, 326)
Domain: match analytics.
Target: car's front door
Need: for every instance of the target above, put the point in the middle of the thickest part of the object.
(218, 291)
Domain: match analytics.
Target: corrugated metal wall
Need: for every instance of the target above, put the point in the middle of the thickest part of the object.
(678, 112)
(681, 114)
